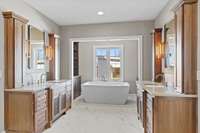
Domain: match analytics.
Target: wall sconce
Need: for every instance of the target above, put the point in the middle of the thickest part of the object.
(160, 50)
(49, 53)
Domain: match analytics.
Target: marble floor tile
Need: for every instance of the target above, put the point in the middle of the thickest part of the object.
(98, 118)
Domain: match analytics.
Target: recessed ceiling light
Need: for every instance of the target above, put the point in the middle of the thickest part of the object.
(100, 13)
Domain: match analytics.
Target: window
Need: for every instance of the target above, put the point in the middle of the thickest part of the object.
(108, 63)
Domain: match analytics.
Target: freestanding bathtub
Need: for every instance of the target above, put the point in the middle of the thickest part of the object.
(105, 92)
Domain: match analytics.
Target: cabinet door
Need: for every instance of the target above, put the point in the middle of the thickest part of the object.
(56, 106)
(63, 98)
(19, 41)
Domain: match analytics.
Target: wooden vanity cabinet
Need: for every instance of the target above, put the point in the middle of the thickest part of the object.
(26, 111)
(186, 51)
(61, 99)
(15, 28)
(170, 114)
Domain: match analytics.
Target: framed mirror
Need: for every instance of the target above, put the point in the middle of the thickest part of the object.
(170, 44)
(35, 49)
(170, 53)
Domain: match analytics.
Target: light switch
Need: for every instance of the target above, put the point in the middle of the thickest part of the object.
(198, 75)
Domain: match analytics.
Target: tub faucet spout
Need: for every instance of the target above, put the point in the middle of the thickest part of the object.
(103, 78)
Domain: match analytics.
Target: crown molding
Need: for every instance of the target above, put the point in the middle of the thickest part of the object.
(182, 2)
(10, 14)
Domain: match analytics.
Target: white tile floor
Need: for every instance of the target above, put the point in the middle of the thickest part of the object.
(93, 118)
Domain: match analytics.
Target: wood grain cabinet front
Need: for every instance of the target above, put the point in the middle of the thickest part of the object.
(26, 111)
(170, 114)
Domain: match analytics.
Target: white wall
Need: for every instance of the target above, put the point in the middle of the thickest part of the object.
(35, 18)
(86, 62)
(105, 30)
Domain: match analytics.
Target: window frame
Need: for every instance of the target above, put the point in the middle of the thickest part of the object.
(121, 47)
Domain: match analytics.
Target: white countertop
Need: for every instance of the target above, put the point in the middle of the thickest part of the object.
(31, 88)
(37, 87)
(166, 92)
(157, 90)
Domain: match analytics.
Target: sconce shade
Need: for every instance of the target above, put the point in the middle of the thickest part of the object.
(160, 50)
(49, 53)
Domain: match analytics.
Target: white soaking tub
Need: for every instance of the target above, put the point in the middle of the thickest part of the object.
(105, 92)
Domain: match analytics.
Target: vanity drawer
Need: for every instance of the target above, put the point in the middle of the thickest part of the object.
(149, 102)
(41, 100)
(41, 93)
(41, 103)
(41, 120)
(41, 106)
(40, 115)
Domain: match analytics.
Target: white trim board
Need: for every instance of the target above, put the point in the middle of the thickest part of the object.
(198, 75)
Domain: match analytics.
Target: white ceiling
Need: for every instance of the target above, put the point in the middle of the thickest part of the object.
(71, 12)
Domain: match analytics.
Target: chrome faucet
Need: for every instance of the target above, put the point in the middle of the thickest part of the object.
(42, 80)
(103, 78)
